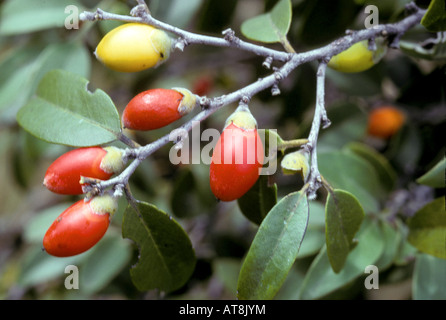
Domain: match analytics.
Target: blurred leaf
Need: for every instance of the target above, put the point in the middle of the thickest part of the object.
(106, 260)
(178, 13)
(393, 237)
(77, 117)
(435, 177)
(270, 27)
(366, 83)
(274, 248)
(343, 216)
(427, 229)
(386, 173)
(259, 200)
(351, 173)
(166, 257)
(322, 21)
(314, 238)
(216, 15)
(24, 16)
(39, 267)
(429, 278)
(435, 18)
(227, 270)
(25, 67)
(321, 280)
(431, 49)
(36, 228)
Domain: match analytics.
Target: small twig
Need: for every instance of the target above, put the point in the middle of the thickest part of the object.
(320, 115)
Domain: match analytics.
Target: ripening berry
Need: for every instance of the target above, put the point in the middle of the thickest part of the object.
(385, 121)
(156, 108)
(358, 57)
(237, 159)
(79, 227)
(64, 174)
(134, 47)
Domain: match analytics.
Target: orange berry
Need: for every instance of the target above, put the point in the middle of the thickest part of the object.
(385, 121)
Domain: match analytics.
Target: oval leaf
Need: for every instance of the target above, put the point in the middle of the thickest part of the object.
(435, 18)
(166, 257)
(352, 173)
(274, 248)
(427, 229)
(258, 201)
(343, 216)
(23, 16)
(386, 174)
(435, 177)
(66, 112)
(269, 27)
(429, 278)
(321, 280)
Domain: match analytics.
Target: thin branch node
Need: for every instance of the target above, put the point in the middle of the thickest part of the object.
(267, 63)
(180, 44)
(229, 35)
(141, 10)
(275, 91)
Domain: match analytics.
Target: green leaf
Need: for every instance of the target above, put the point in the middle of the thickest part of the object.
(24, 68)
(343, 216)
(321, 280)
(429, 278)
(166, 257)
(24, 16)
(427, 229)
(259, 200)
(64, 111)
(106, 260)
(352, 173)
(386, 174)
(270, 27)
(274, 248)
(435, 177)
(435, 18)
(393, 237)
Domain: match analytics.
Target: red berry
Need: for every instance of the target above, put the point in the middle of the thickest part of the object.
(64, 174)
(236, 162)
(156, 108)
(79, 227)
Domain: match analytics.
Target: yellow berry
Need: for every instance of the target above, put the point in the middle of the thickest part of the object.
(134, 47)
(358, 57)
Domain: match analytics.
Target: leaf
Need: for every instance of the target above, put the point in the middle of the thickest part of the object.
(321, 280)
(435, 177)
(351, 173)
(386, 174)
(259, 200)
(24, 68)
(274, 248)
(427, 229)
(106, 260)
(269, 27)
(343, 216)
(24, 16)
(435, 18)
(429, 277)
(65, 112)
(393, 237)
(166, 257)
